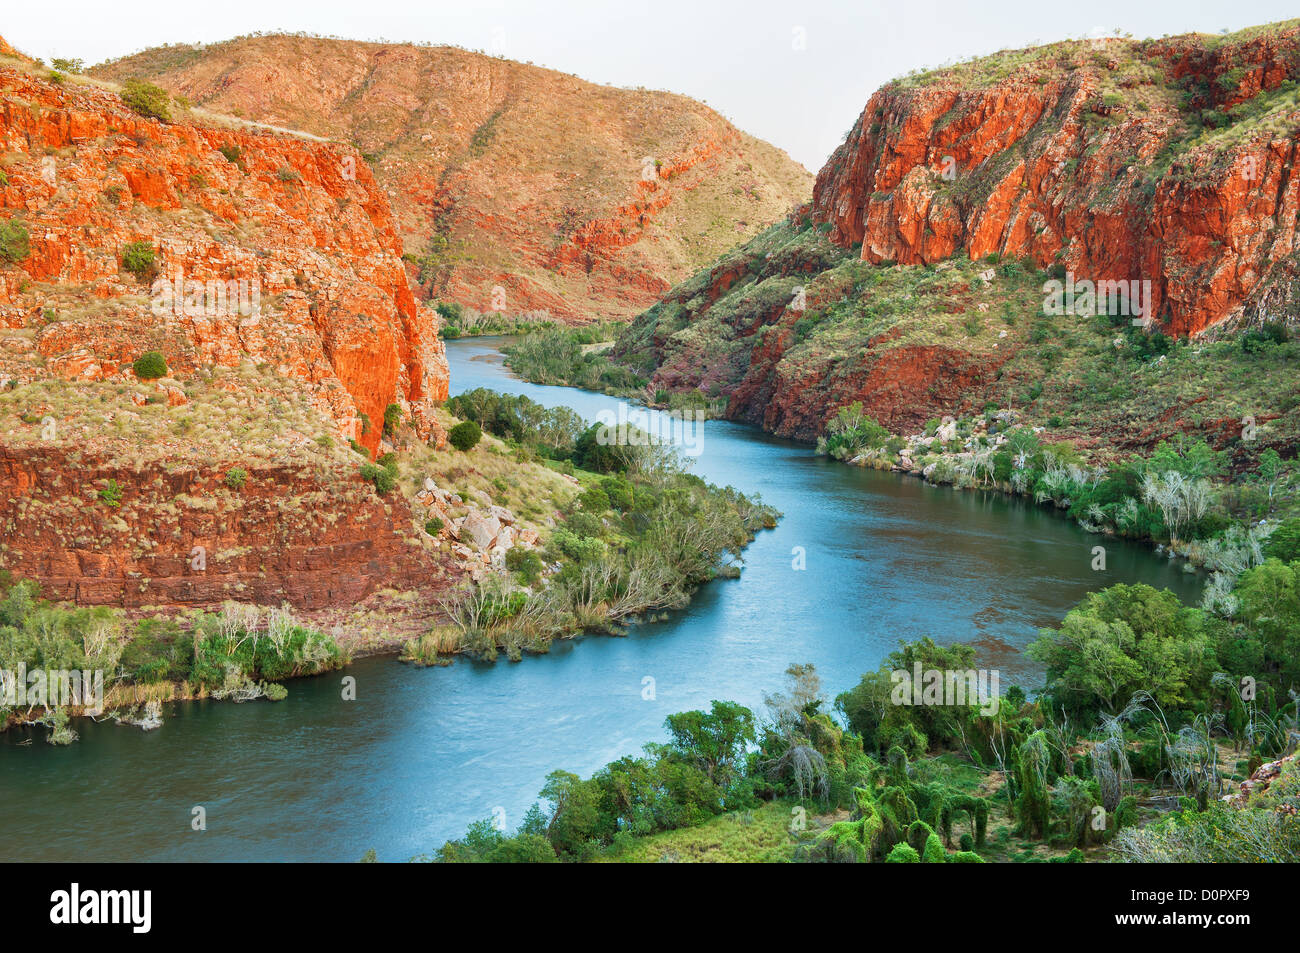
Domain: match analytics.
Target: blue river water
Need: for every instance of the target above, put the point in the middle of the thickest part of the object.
(421, 753)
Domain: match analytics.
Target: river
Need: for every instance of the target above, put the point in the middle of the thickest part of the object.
(421, 753)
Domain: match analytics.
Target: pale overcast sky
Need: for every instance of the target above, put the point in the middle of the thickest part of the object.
(794, 73)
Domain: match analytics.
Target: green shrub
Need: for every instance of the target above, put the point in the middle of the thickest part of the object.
(392, 419)
(934, 852)
(525, 562)
(465, 435)
(433, 526)
(1284, 542)
(147, 99)
(139, 259)
(111, 494)
(234, 155)
(903, 854)
(384, 478)
(594, 500)
(15, 243)
(150, 366)
(236, 478)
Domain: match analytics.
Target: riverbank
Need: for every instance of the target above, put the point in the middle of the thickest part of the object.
(422, 752)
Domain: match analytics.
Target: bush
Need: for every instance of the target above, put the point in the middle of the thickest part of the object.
(139, 259)
(1284, 542)
(525, 562)
(150, 366)
(392, 419)
(236, 478)
(594, 500)
(111, 494)
(903, 854)
(434, 526)
(15, 243)
(384, 478)
(465, 435)
(147, 99)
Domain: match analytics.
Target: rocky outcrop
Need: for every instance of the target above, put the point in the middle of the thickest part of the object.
(266, 269)
(515, 188)
(265, 248)
(1169, 162)
(1259, 790)
(181, 537)
(1167, 165)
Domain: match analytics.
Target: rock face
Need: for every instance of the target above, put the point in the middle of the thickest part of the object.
(1168, 161)
(181, 537)
(296, 233)
(515, 188)
(1167, 165)
(266, 269)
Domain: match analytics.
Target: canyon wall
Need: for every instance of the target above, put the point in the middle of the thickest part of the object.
(1168, 161)
(514, 188)
(266, 269)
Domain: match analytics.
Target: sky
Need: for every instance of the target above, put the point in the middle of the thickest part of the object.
(796, 73)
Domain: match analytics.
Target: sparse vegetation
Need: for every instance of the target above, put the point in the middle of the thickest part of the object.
(147, 99)
(465, 435)
(150, 366)
(15, 242)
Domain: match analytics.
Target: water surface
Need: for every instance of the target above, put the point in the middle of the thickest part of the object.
(423, 752)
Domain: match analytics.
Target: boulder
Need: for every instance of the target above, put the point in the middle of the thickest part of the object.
(479, 530)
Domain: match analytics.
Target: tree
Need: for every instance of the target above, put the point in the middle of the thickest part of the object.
(147, 99)
(1125, 639)
(576, 818)
(715, 740)
(465, 435)
(1272, 471)
(150, 366)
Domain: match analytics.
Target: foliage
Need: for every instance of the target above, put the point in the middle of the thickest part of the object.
(850, 432)
(150, 366)
(147, 99)
(465, 435)
(15, 243)
(139, 259)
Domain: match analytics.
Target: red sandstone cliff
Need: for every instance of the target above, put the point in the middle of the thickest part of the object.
(1169, 161)
(294, 319)
(514, 187)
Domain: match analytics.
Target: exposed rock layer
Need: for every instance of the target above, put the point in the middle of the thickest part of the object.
(522, 189)
(275, 250)
(1092, 156)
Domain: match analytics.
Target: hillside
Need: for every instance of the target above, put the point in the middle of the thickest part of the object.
(922, 294)
(577, 199)
(263, 272)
